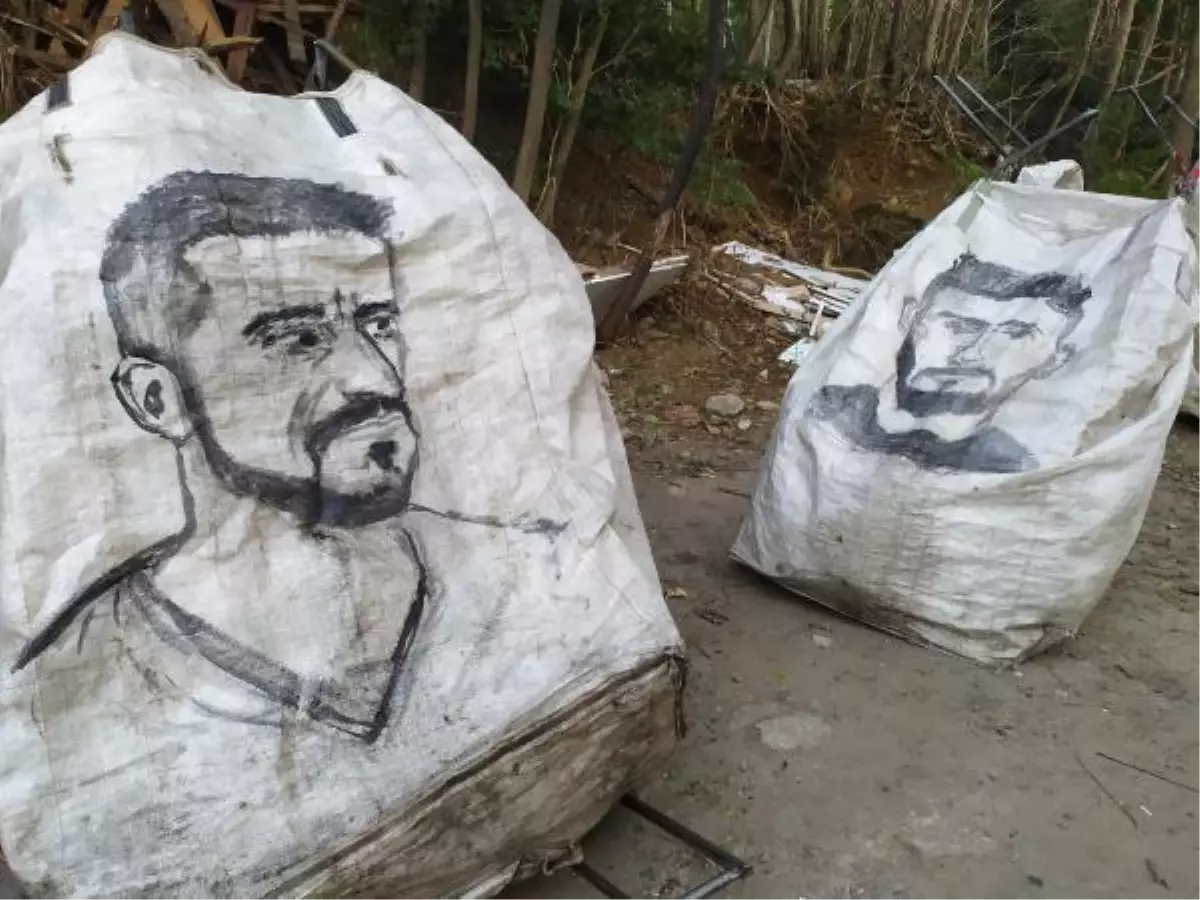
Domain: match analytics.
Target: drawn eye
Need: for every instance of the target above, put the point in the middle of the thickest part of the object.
(379, 326)
(298, 338)
(1016, 329)
(964, 326)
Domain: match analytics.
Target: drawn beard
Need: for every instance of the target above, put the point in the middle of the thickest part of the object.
(932, 403)
(313, 500)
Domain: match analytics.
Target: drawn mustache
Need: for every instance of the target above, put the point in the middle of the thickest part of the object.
(957, 372)
(359, 411)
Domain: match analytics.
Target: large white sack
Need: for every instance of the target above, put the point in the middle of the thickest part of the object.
(321, 567)
(966, 457)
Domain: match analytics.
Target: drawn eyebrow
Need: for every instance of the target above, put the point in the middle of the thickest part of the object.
(265, 320)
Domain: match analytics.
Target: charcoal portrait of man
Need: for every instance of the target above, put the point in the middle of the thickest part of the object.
(259, 334)
(977, 334)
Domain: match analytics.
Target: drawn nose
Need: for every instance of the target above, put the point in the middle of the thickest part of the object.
(361, 368)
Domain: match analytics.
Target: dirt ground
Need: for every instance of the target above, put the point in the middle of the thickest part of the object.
(902, 771)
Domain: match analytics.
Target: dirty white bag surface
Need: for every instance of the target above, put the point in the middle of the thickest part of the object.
(322, 569)
(967, 456)
(1060, 173)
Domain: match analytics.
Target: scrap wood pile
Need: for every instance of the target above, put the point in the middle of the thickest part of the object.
(802, 300)
(261, 44)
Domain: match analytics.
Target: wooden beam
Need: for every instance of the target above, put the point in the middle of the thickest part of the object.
(295, 39)
(243, 24)
(197, 15)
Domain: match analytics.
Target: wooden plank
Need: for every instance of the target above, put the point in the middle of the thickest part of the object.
(243, 24)
(177, 20)
(295, 39)
(199, 17)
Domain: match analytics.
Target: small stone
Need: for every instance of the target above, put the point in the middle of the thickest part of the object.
(822, 640)
(766, 405)
(675, 489)
(764, 374)
(728, 405)
(748, 286)
(685, 454)
(797, 730)
(744, 424)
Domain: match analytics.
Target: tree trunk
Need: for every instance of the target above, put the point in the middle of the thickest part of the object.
(865, 57)
(539, 92)
(474, 67)
(474, 64)
(955, 51)
(826, 17)
(891, 66)
(929, 54)
(813, 43)
(1080, 65)
(558, 165)
(702, 115)
(1120, 42)
(847, 39)
(416, 75)
(760, 21)
(1178, 50)
(1183, 135)
(1149, 33)
(791, 40)
(983, 44)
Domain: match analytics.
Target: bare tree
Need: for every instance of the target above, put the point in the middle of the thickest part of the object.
(1120, 41)
(416, 76)
(864, 59)
(891, 66)
(557, 169)
(1081, 62)
(954, 51)
(761, 18)
(1183, 134)
(791, 39)
(1149, 33)
(474, 64)
(539, 92)
(937, 12)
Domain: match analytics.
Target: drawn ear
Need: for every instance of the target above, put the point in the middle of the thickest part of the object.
(151, 397)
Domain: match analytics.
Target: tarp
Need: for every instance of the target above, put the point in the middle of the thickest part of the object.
(966, 457)
(322, 570)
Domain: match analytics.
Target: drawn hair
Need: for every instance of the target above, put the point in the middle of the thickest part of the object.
(152, 293)
(1065, 294)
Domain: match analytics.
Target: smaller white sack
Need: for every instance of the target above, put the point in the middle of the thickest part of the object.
(966, 458)
(1062, 173)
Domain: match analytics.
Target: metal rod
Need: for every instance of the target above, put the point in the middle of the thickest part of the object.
(1008, 126)
(598, 881)
(969, 113)
(1153, 119)
(1179, 111)
(341, 58)
(714, 884)
(1013, 158)
(731, 867)
(685, 834)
